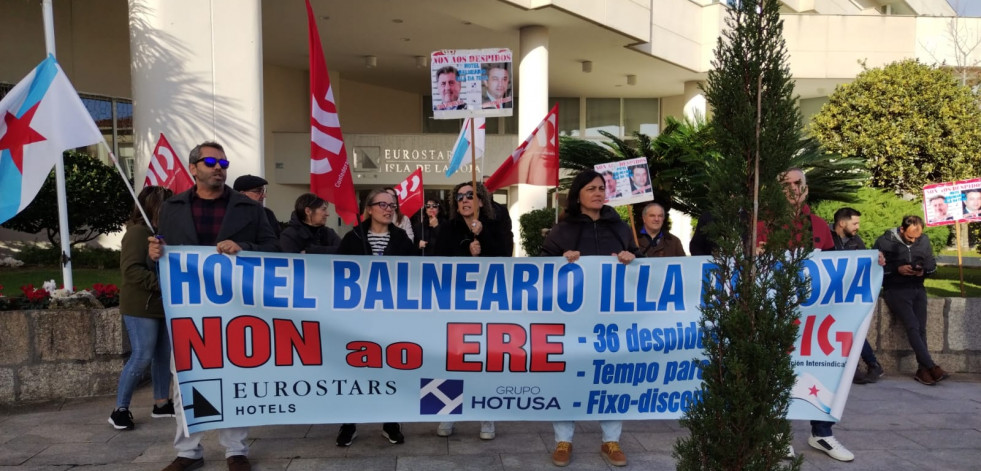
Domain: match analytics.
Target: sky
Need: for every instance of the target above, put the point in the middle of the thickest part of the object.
(967, 7)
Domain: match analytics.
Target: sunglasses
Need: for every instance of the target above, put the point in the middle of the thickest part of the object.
(385, 205)
(432, 205)
(468, 195)
(211, 162)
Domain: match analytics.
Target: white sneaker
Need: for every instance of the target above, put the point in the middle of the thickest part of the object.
(831, 446)
(487, 431)
(445, 429)
(790, 452)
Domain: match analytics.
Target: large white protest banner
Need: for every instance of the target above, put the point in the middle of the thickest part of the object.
(263, 338)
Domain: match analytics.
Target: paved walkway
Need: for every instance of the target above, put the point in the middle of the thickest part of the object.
(894, 425)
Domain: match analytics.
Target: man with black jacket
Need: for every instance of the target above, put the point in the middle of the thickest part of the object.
(212, 213)
(845, 236)
(909, 259)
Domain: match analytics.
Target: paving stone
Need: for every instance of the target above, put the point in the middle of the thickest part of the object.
(442, 463)
(361, 463)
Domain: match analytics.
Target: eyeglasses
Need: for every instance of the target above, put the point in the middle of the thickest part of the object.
(432, 205)
(468, 195)
(258, 191)
(385, 205)
(211, 162)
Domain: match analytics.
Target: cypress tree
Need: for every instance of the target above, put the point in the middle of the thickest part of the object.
(752, 297)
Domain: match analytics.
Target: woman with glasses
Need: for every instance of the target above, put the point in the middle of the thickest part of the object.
(142, 308)
(400, 220)
(474, 230)
(427, 230)
(376, 235)
(308, 231)
(590, 228)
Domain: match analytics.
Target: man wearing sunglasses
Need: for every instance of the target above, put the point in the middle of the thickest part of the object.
(211, 213)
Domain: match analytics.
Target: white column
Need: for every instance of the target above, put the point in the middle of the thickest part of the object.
(197, 76)
(694, 101)
(532, 107)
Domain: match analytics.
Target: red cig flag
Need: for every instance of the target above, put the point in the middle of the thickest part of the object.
(330, 173)
(166, 169)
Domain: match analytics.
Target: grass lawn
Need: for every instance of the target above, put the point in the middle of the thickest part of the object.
(83, 278)
(944, 283)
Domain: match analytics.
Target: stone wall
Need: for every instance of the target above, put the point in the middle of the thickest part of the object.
(953, 336)
(55, 354)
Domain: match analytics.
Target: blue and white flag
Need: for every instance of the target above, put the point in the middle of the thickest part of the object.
(462, 147)
(40, 118)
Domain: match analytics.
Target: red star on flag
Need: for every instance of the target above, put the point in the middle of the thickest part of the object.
(19, 134)
(814, 391)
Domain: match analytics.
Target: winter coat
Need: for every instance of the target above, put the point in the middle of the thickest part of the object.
(356, 241)
(299, 237)
(139, 292)
(245, 223)
(898, 253)
(454, 239)
(604, 236)
(666, 245)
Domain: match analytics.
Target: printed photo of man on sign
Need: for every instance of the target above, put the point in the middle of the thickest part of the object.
(941, 203)
(471, 83)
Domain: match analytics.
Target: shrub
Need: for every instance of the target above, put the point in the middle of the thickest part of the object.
(82, 257)
(98, 202)
(532, 224)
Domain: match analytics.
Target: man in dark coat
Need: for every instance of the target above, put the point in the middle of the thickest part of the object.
(211, 213)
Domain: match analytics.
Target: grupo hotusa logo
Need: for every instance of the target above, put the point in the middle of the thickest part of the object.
(440, 396)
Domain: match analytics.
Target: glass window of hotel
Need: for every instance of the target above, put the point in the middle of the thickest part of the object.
(641, 115)
(603, 114)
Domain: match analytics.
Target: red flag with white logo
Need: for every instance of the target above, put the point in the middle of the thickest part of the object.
(535, 161)
(166, 169)
(330, 173)
(410, 193)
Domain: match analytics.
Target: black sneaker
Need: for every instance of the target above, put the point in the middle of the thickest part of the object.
(393, 432)
(860, 377)
(875, 372)
(166, 410)
(122, 419)
(347, 434)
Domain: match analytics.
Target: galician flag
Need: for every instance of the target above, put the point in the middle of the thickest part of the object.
(461, 150)
(42, 117)
(535, 161)
(330, 173)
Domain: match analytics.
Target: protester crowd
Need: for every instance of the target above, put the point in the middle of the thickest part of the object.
(233, 219)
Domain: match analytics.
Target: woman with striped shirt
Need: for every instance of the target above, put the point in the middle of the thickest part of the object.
(376, 235)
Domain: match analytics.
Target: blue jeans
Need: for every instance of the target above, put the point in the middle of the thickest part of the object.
(151, 347)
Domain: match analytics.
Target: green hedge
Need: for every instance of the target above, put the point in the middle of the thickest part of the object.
(87, 257)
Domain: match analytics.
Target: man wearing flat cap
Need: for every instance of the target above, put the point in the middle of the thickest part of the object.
(255, 188)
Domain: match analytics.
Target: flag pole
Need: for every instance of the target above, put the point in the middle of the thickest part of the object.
(473, 155)
(66, 256)
(128, 186)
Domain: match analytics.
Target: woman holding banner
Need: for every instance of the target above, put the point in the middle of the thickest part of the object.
(590, 228)
(308, 231)
(376, 235)
(473, 230)
(143, 313)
